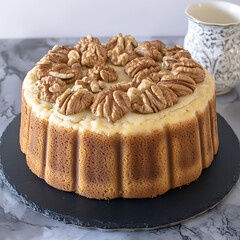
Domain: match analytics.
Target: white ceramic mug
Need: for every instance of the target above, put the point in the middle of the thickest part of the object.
(213, 39)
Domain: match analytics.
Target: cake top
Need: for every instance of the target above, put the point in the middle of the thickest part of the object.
(85, 76)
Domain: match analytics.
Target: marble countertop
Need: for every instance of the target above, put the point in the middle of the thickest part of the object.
(17, 57)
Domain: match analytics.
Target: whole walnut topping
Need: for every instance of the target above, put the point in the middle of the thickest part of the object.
(182, 53)
(94, 72)
(138, 64)
(62, 71)
(111, 105)
(147, 49)
(190, 68)
(127, 42)
(118, 56)
(145, 74)
(159, 45)
(108, 74)
(147, 98)
(66, 73)
(173, 50)
(177, 51)
(173, 55)
(159, 75)
(43, 68)
(64, 49)
(181, 84)
(82, 45)
(121, 49)
(95, 54)
(130, 43)
(72, 102)
(49, 88)
(58, 54)
(61, 62)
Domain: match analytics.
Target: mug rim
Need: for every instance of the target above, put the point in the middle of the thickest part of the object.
(211, 23)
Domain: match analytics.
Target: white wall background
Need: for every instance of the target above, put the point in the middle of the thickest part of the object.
(74, 18)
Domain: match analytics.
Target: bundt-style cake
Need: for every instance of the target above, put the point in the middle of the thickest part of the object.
(119, 119)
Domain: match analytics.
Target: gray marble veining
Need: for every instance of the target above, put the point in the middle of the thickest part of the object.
(17, 57)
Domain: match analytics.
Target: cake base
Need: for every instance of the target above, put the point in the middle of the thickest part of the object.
(140, 165)
(175, 206)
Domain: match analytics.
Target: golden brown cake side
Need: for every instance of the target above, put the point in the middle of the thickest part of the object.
(132, 166)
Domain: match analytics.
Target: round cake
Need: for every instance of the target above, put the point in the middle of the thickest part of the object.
(119, 119)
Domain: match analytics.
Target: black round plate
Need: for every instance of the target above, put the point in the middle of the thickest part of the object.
(122, 214)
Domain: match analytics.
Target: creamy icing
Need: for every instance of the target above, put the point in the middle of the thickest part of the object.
(131, 123)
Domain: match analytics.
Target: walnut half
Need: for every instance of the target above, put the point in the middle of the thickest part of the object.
(66, 73)
(121, 49)
(58, 54)
(190, 68)
(145, 74)
(147, 49)
(82, 45)
(138, 64)
(49, 88)
(95, 54)
(111, 104)
(60, 70)
(72, 102)
(177, 52)
(107, 74)
(148, 97)
(181, 84)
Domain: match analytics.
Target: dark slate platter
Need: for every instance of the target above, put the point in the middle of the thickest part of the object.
(169, 209)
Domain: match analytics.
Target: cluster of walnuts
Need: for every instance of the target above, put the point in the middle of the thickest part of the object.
(159, 76)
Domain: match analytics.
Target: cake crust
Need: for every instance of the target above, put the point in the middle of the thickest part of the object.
(105, 167)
